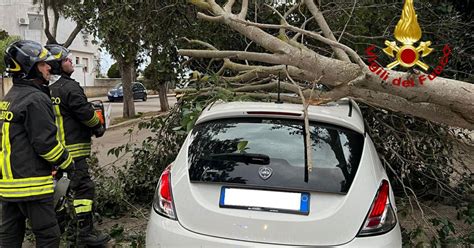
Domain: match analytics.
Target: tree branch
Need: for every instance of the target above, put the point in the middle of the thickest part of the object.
(209, 18)
(454, 95)
(200, 42)
(314, 35)
(51, 38)
(433, 112)
(303, 26)
(308, 147)
(318, 16)
(228, 6)
(260, 57)
(202, 4)
(259, 72)
(243, 11)
(268, 86)
(348, 20)
(73, 35)
(56, 21)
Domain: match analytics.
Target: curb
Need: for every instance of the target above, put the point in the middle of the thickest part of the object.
(128, 122)
(105, 100)
(133, 121)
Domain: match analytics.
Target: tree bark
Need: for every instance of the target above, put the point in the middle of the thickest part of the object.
(51, 38)
(162, 91)
(128, 104)
(56, 21)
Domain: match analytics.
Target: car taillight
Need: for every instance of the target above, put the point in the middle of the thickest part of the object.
(381, 217)
(163, 201)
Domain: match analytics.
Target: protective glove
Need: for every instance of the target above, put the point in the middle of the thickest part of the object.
(99, 132)
(70, 170)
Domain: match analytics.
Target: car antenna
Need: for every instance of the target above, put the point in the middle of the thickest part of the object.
(279, 101)
(350, 108)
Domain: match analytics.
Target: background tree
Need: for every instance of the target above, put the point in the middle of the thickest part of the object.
(159, 74)
(3, 34)
(119, 27)
(113, 71)
(166, 24)
(5, 41)
(166, 21)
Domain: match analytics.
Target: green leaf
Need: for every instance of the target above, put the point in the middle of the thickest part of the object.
(116, 231)
(111, 151)
(189, 126)
(199, 107)
(420, 245)
(241, 146)
(117, 152)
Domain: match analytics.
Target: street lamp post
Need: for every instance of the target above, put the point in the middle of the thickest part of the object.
(84, 69)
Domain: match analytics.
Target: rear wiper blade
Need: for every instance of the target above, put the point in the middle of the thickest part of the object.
(253, 158)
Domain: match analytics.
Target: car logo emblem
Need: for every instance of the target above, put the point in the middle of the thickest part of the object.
(265, 172)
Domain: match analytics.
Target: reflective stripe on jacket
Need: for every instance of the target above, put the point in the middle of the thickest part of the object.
(29, 147)
(75, 116)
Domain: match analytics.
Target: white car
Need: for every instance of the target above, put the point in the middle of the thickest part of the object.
(241, 180)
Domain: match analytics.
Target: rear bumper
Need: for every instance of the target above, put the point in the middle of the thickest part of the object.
(118, 98)
(163, 232)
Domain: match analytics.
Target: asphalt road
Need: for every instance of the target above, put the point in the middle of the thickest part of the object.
(151, 105)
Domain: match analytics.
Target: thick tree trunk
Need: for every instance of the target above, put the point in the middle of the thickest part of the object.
(134, 74)
(162, 91)
(128, 104)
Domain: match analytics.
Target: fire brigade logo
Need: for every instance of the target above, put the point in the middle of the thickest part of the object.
(408, 32)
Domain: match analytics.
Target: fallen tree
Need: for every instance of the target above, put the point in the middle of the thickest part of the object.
(441, 100)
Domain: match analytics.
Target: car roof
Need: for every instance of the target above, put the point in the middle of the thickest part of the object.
(120, 83)
(345, 112)
(132, 83)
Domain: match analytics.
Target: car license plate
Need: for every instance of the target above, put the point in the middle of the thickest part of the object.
(265, 200)
(115, 95)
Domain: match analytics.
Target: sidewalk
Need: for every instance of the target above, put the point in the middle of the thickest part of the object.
(104, 98)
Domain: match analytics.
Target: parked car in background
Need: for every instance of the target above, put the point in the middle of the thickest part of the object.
(241, 180)
(139, 92)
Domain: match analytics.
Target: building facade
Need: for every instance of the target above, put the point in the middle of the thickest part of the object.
(24, 19)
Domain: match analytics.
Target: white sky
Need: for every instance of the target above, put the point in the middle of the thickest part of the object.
(105, 62)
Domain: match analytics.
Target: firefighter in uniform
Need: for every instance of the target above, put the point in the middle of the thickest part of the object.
(77, 121)
(30, 150)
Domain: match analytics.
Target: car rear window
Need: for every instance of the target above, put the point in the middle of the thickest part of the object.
(269, 153)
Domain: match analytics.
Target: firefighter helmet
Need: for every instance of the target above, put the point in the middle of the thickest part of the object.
(22, 56)
(60, 53)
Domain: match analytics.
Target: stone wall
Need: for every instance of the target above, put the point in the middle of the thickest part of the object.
(96, 91)
(110, 82)
(5, 85)
(101, 87)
